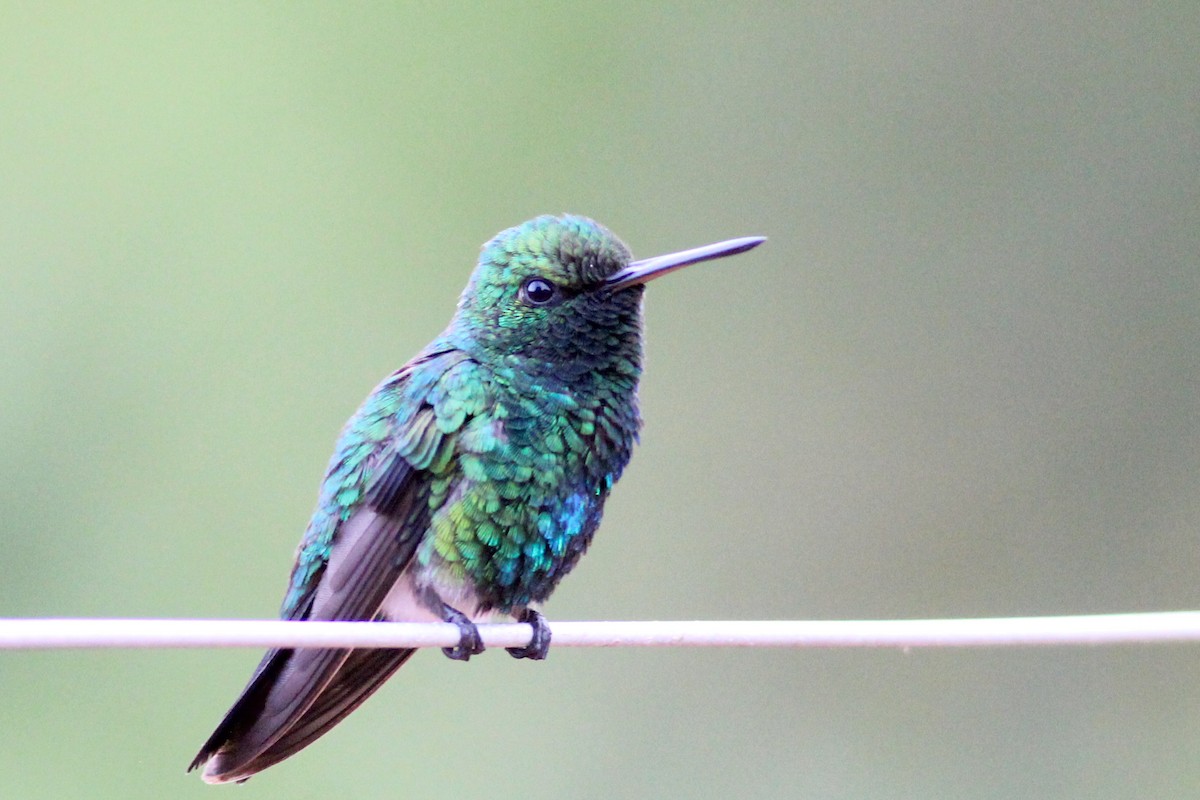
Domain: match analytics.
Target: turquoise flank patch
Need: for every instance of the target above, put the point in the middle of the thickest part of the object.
(569, 521)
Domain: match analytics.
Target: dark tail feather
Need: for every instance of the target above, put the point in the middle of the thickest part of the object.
(288, 705)
(369, 670)
(285, 684)
(248, 705)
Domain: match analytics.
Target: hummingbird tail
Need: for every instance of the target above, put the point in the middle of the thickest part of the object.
(248, 740)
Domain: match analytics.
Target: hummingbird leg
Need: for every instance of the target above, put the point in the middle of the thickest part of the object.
(539, 645)
(469, 641)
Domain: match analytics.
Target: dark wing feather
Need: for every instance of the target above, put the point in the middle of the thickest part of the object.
(371, 550)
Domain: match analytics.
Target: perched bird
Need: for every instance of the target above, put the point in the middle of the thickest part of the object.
(469, 482)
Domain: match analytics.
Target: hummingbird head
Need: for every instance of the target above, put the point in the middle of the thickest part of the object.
(562, 295)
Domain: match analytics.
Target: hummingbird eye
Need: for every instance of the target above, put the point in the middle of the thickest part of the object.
(538, 291)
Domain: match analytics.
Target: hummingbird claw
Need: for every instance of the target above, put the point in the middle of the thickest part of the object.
(469, 641)
(539, 645)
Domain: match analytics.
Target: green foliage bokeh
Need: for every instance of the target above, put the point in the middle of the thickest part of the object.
(962, 377)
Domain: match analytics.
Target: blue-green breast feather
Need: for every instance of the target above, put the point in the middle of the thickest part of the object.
(470, 481)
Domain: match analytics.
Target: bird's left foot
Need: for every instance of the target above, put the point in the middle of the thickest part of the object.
(539, 645)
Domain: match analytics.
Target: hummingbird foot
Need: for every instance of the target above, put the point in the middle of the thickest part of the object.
(470, 643)
(539, 645)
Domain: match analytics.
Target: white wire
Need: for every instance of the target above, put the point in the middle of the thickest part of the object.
(1165, 626)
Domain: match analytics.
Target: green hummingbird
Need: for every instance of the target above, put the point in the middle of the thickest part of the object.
(469, 482)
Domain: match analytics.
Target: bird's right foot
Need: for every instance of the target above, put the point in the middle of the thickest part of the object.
(470, 643)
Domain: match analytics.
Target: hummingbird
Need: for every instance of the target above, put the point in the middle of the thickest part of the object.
(469, 482)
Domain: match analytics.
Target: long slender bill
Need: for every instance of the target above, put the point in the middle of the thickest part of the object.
(650, 268)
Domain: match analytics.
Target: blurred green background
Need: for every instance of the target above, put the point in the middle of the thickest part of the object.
(962, 378)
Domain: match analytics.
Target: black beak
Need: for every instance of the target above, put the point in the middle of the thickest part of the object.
(648, 269)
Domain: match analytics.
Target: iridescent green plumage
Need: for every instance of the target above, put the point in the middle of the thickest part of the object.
(521, 417)
(469, 482)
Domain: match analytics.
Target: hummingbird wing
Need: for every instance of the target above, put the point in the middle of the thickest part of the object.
(380, 477)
